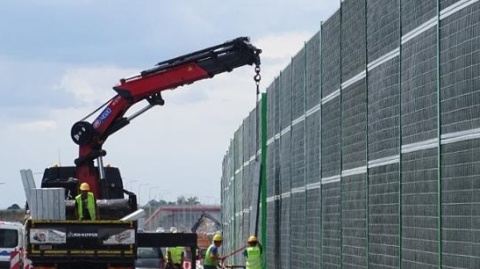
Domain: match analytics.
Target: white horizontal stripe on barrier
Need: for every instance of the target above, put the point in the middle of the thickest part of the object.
(298, 120)
(285, 195)
(286, 130)
(354, 79)
(460, 136)
(313, 186)
(384, 161)
(312, 110)
(273, 198)
(420, 29)
(298, 190)
(455, 7)
(331, 96)
(383, 59)
(427, 144)
(354, 171)
(252, 159)
(332, 179)
(270, 141)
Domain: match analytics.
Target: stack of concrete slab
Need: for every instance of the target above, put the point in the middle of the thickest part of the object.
(46, 203)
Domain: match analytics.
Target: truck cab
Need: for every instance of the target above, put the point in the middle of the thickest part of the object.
(11, 239)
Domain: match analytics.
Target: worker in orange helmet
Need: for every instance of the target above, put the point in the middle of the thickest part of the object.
(253, 253)
(86, 204)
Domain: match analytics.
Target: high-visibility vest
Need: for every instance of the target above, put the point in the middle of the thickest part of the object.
(176, 253)
(254, 258)
(90, 205)
(208, 260)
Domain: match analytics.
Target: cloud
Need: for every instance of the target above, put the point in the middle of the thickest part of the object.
(276, 57)
(34, 126)
(291, 42)
(59, 61)
(91, 85)
(27, 85)
(185, 139)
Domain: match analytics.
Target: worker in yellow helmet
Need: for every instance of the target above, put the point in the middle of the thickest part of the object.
(253, 253)
(212, 256)
(85, 204)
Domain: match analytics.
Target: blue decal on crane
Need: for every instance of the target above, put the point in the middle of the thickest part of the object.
(105, 114)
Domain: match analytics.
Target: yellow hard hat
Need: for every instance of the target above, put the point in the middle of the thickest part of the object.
(252, 239)
(84, 187)
(218, 237)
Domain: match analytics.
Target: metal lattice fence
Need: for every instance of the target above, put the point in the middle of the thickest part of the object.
(371, 144)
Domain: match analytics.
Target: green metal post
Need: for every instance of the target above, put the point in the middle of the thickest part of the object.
(264, 176)
(234, 236)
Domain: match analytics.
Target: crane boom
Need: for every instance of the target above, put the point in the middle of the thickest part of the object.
(148, 85)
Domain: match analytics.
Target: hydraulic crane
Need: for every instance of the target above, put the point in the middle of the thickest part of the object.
(109, 242)
(148, 85)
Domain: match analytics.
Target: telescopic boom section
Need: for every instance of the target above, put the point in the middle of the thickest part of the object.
(189, 68)
(148, 85)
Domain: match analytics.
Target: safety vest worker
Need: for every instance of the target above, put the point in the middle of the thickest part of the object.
(253, 254)
(85, 204)
(211, 256)
(175, 257)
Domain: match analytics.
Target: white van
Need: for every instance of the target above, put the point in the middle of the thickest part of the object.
(11, 238)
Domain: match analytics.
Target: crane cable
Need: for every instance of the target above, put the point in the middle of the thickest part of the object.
(257, 79)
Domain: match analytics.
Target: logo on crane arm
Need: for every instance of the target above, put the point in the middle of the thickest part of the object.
(105, 114)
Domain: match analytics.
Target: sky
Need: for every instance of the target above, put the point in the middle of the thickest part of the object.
(60, 59)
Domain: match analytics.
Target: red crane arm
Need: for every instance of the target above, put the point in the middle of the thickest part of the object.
(148, 85)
